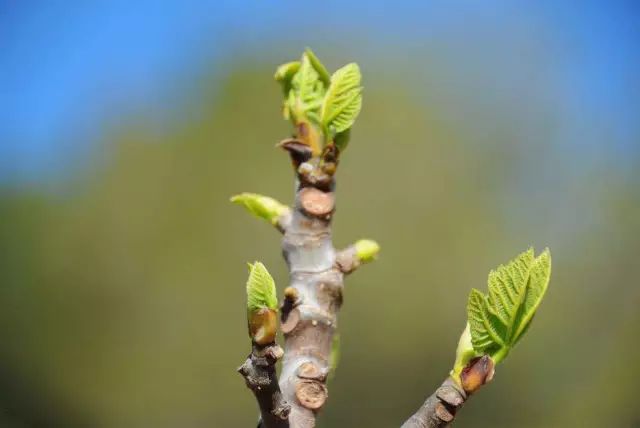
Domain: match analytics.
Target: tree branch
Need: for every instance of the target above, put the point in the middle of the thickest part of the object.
(439, 409)
(309, 312)
(259, 372)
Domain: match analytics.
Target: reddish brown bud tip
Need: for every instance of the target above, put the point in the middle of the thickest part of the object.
(476, 373)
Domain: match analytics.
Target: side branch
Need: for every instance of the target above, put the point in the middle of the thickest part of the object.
(352, 257)
(259, 372)
(439, 409)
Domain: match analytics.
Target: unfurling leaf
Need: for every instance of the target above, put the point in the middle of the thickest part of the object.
(343, 100)
(285, 73)
(308, 90)
(261, 206)
(323, 74)
(366, 250)
(262, 304)
(498, 320)
(464, 353)
(261, 288)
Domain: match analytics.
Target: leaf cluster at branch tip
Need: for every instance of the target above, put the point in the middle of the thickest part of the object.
(499, 319)
(328, 103)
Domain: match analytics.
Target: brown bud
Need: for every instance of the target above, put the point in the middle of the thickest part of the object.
(263, 325)
(298, 151)
(329, 168)
(476, 373)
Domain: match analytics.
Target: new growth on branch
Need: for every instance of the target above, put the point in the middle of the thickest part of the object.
(323, 108)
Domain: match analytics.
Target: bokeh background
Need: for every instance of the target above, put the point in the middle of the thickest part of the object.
(487, 127)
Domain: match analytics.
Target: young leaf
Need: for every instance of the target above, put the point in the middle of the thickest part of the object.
(261, 289)
(307, 88)
(285, 73)
(323, 74)
(499, 320)
(343, 100)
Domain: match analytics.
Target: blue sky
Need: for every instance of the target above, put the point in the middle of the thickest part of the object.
(64, 65)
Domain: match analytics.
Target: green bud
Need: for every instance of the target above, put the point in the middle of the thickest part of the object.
(261, 288)
(366, 250)
(262, 304)
(261, 206)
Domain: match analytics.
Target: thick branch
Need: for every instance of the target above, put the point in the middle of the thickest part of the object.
(259, 372)
(309, 312)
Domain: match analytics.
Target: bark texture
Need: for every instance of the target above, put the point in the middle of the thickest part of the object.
(259, 372)
(309, 312)
(440, 408)
(312, 301)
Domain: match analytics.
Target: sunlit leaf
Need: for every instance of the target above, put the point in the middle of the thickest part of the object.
(498, 320)
(343, 100)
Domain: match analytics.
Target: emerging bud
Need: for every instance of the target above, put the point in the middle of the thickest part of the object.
(261, 305)
(464, 354)
(366, 250)
(261, 206)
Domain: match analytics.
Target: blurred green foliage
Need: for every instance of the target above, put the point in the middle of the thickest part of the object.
(122, 300)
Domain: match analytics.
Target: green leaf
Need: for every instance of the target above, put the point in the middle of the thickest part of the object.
(539, 281)
(261, 289)
(498, 320)
(284, 75)
(323, 74)
(343, 100)
(261, 206)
